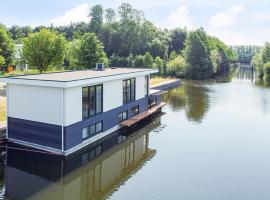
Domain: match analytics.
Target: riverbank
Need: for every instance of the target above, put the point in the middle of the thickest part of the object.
(164, 84)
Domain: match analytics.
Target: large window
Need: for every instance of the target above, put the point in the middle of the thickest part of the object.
(146, 85)
(92, 130)
(92, 101)
(129, 90)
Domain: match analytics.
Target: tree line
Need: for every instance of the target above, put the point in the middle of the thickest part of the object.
(261, 62)
(119, 38)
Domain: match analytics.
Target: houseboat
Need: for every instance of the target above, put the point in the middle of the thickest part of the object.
(65, 111)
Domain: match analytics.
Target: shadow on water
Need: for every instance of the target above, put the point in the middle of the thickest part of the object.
(94, 173)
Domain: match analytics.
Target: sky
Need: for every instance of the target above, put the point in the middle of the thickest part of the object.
(233, 21)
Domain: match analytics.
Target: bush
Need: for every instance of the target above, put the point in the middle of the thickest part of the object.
(138, 62)
(176, 67)
(148, 60)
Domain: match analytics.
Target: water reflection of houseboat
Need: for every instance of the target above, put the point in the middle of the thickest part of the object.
(94, 173)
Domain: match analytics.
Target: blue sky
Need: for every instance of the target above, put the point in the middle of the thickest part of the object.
(235, 22)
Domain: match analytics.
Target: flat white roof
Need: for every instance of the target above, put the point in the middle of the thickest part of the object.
(77, 78)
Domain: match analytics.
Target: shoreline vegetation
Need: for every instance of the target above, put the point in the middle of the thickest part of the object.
(120, 37)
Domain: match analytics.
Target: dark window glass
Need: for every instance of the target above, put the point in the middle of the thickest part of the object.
(135, 110)
(123, 115)
(85, 102)
(98, 127)
(129, 90)
(146, 85)
(132, 90)
(99, 99)
(92, 129)
(85, 133)
(92, 101)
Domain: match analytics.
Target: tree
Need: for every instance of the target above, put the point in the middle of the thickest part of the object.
(110, 16)
(176, 67)
(6, 47)
(257, 63)
(148, 60)
(72, 54)
(91, 52)
(173, 55)
(199, 64)
(267, 72)
(44, 49)
(138, 62)
(177, 40)
(96, 14)
(159, 64)
(266, 53)
(130, 60)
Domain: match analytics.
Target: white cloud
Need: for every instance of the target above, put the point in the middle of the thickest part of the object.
(77, 14)
(180, 18)
(228, 17)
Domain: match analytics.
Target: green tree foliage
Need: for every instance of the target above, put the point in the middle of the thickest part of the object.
(173, 55)
(159, 63)
(177, 40)
(110, 16)
(72, 54)
(266, 53)
(6, 47)
(257, 63)
(17, 32)
(96, 15)
(44, 49)
(91, 52)
(176, 66)
(267, 72)
(245, 53)
(148, 60)
(138, 62)
(199, 64)
(116, 61)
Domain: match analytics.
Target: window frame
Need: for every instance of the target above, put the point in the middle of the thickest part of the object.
(89, 88)
(146, 85)
(89, 130)
(134, 108)
(121, 113)
(128, 95)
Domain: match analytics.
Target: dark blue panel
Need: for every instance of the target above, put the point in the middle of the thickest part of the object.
(73, 133)
(35, 132)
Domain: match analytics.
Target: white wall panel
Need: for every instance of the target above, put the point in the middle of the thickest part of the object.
(73, 105)
(140, 87)
(112, 94)
(41, 104)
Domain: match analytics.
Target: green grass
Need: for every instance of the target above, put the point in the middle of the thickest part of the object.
(159, 80)
(3, 103)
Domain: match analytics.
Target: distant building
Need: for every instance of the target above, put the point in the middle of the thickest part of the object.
(63, 112)
(20, 61)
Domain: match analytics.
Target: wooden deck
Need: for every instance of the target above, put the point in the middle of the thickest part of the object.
(141, 116)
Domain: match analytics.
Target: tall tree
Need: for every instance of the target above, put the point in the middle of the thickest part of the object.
(44, 49)
(96, 15)
(110, 16)
(199, 64)
(6, 47)
(177, 40)
(91, 52)
(148, 60)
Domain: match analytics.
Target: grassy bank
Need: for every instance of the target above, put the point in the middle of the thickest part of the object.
(2, 109)
(159, 80)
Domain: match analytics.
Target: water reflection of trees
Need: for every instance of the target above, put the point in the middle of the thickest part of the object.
(192, 97)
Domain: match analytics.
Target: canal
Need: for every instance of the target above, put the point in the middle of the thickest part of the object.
(212, 142)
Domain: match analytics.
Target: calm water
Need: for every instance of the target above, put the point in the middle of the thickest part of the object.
(213, 143)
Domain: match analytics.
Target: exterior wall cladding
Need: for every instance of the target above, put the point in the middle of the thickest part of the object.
(50, 135)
